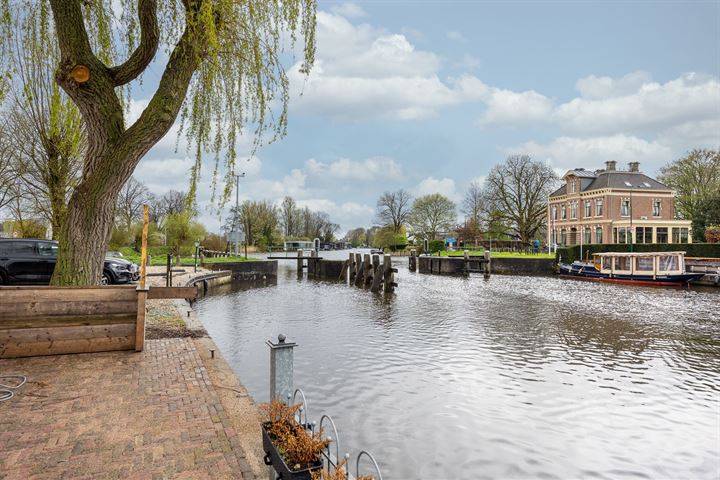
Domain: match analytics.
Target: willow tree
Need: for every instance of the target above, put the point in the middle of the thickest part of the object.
(222, 70)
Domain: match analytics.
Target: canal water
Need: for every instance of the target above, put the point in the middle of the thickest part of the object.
(511, 377)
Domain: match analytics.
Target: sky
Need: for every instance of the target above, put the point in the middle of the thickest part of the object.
(430, 95)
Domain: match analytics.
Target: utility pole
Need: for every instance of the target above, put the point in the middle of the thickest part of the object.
(237, 212)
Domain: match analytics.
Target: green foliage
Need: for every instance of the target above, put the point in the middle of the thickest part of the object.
(182, 232)
(436, 246)
(707, 213)
(214, 242)
(570, 254)
(432, 214)
(386, 237)
(712, 234)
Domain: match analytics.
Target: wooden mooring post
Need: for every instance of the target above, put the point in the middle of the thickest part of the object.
(486, 265)
(413, 260)
(359, 268)
(388, 275)
(300, 263)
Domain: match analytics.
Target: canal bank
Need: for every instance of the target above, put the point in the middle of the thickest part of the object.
(513, 376)
(175, 409)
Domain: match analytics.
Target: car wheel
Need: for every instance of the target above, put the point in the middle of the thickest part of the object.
(105, 279)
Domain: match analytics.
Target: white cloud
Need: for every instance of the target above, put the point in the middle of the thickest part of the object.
(364, 170)
(593, 87)
(565, 153)
(508, 108)
(348, 10)
(348, 214)
(363, 72)
(652, 107)
(455, 35)
(430, 185)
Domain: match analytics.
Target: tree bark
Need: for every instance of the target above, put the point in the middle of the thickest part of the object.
(113, 151)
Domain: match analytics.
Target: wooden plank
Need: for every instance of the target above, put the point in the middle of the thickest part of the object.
(60, 308)
(140, 322)
(69, 320)
(47, 334)
(172, 292)
(9, 295)
(12, 350)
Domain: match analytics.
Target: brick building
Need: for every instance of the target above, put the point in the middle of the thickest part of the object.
(614, 206)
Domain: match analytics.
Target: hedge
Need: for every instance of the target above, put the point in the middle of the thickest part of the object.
(570, 254)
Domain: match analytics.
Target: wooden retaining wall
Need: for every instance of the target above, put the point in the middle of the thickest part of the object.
(44, 320)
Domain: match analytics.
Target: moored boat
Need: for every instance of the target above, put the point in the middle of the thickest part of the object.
(647, 268)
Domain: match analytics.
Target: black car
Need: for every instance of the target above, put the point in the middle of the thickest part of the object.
(29, 261)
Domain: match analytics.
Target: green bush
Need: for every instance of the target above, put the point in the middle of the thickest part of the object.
(570, 254)
(436, 246)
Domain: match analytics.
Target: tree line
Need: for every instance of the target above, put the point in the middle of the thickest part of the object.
(265, 224)
(509, 204)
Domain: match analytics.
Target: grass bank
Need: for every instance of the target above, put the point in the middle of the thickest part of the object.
(159, 260)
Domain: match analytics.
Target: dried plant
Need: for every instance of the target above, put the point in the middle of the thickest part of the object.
(298, 447)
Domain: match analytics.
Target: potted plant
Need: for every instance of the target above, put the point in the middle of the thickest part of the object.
(291, 448)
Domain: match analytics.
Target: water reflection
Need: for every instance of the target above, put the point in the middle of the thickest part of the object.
(514, 377)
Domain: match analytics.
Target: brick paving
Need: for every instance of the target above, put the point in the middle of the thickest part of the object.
(148, 415)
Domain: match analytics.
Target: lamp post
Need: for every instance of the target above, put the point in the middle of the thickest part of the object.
(237, 211)
(197, 246)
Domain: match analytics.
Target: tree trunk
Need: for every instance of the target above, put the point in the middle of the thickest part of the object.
(85, 233)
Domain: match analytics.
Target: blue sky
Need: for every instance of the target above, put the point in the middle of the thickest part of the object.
(429, 95)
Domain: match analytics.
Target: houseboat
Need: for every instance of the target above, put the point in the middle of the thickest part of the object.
(646, 268)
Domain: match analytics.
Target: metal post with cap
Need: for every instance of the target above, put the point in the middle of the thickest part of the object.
(281, 369)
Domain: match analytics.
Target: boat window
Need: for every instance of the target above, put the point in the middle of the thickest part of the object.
(622, 263)
(669, 262)
(645, 264)
(607, 263)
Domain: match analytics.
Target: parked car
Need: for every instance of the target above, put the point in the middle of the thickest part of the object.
(30, 261)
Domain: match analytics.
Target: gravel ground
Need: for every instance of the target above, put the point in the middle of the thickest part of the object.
(164, 319)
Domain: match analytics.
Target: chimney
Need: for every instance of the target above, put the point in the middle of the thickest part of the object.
(634, 166)
(610, 165)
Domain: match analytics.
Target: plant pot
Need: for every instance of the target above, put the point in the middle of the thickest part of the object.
(273, 457)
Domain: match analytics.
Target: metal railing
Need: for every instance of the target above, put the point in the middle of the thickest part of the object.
(281, 387)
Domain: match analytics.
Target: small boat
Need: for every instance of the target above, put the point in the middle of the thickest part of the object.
(645, 268)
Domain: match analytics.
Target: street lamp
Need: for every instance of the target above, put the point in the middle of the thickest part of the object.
(237, 211)
(197, 247)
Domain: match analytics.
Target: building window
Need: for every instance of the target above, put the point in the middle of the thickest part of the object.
(680, 235)
(621, 235)
(625, 208)
(587, 236)
(656, 208)
(563, 237)
(598, 235)
(661, 234)
(573, 210)
(554, 212)
(643, 235)
(588, 208)
(598, 207)
(572, 187)
(563, 212)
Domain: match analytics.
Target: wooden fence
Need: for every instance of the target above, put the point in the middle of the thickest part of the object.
(43, 320)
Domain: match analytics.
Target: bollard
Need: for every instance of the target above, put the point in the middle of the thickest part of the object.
(351, 266)
(486, 265)
(300, 263)
(281, 369)
(413, 260)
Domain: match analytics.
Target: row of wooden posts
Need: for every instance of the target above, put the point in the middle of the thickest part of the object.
(367, 271)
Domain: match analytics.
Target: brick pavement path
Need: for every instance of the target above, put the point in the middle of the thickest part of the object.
(124, 415)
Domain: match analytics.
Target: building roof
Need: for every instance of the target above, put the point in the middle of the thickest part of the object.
(581, 172)
(612, 179)
(621, 179)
